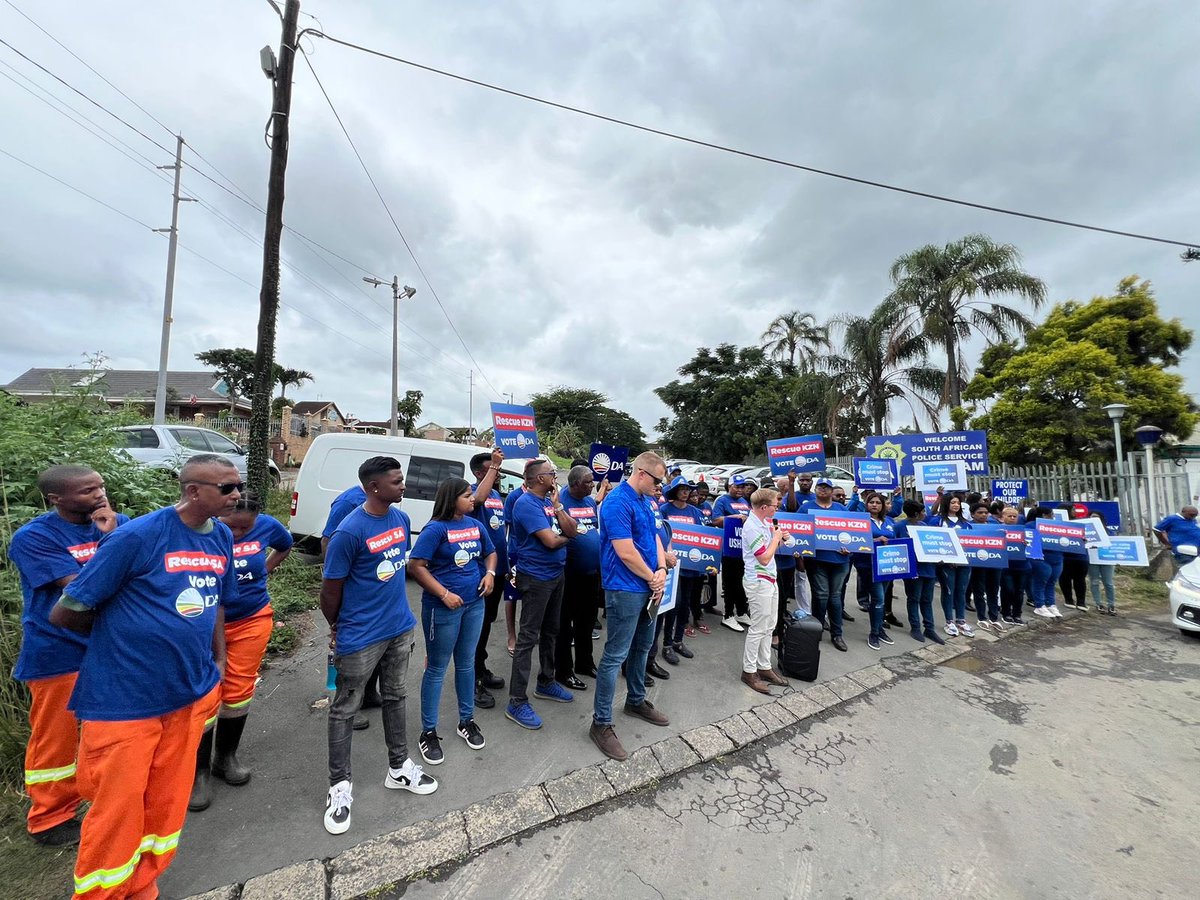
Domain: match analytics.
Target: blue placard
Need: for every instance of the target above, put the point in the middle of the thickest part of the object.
(877, 474)
(1034, 550)
(1010, 490)
(670, 591)
(1016, 542)
(802, 530)
(697, 547)
(836, 530)
(1110, 510)
(608, 462)
(731, 544)
(1121, 551)
(969, 446)
(1065, 537)
(986, 546)
(893, 561)
(796, 454)
(516, 430)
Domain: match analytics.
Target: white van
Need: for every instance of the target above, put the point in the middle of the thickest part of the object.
(331, 466)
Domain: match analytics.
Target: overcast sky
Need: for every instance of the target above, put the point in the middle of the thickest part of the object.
(568, 250)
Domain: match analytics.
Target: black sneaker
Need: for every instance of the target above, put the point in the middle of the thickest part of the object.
(846, 617)
(491, 680)
(431, 747)
(483, 697)
(470, 733)
(931, 634)
(63, 834)
(883, 636)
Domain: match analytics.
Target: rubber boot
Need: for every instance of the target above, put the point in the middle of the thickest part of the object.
(226, 765)
(202, 785)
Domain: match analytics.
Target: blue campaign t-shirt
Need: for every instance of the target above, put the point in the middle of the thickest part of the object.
(367, 554)
(250, 564)
(727, 506)
(583, 552)
(808, 506)
(45, 550)
(689, 515)
(155, 585)
(456, 552)
(343, 504)
(509, 502)
(706, 510)
(532, 514)
(626, 515)
(1180, 530)
(961, 523)
(491, 514)
(924, 569)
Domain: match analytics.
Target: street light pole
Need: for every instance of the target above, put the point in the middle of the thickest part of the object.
(1116, 412)
(164, 347)
(408, 292)
(1148, 436)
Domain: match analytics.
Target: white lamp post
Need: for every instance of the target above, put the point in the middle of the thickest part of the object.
(1116, 412)
(1148, 436)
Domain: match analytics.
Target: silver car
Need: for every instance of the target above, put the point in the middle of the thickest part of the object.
(168, 447)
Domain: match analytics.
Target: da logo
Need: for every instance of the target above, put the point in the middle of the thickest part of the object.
(802, 461)
(601, 464)
(522, 441)
(190, 604)
(694, 555)
(461, 558)
(889, 450)
(845, 539)
(582, 528)
(982, 553)
(385, 570)
(494, 522)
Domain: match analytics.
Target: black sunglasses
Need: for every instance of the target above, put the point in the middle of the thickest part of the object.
(657, 481)
(225, 487)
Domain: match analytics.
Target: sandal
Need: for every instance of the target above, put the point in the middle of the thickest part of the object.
(689, 631)
(704, 629)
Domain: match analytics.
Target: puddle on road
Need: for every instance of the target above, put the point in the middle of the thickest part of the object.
(968, 663)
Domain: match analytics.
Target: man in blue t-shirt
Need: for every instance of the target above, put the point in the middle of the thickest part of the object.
(363, 599)
(152, 599)
(733, 505)
(540, 530)
(343, 504)
(633, 570)
(1178, 530)
(49, 553)
(489, 510)
(828, 570)
(581, 583)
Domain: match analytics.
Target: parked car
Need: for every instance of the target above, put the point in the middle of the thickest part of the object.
(1184, 591)
(168, 447)
(718, 476)
(331, 466)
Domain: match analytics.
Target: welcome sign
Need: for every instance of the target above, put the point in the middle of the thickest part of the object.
(516, 432)
(796, 454)
(907, 449)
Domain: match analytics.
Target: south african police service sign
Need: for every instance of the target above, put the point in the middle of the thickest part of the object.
(969, 446)
(516, 432)
(796, 454)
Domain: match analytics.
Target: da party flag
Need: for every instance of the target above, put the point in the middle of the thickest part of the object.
(802, 530)
(948, 474)
(877, 474)
(1121, 551)
(986, 546)
(841, 531)
(1065, 537)
(894, 560)
(796, 454)
(608, 462)
(698, 547)
(937, 545)
(516, 433)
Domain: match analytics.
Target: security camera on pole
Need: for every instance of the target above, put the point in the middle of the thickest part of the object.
(407, 292)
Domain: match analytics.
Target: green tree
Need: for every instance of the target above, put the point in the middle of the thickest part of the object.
(408, 411)
(1041, 402)
(235, 367)
(796, 339)
(286, 378)
(882, 360)
(588, 411)
(950, 292)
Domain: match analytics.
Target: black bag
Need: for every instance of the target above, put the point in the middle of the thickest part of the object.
(800, 648)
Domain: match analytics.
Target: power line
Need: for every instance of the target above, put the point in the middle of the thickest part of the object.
(867, 182)
(395, 224)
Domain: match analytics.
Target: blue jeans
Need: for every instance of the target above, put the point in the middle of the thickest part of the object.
(1039, 574)
(1098, 575)
(449, 633)
(1055, 564)
(875, 591)
(985, 591)
(919, 594)
(954, 592)
(828, 580)
(630, 636)
(1012, 591)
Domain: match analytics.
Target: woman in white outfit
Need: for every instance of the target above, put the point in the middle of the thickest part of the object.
(760, 540)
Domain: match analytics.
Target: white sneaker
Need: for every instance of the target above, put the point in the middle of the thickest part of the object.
(744, 620)
(1055, 611)
(337, 808)
(410, 777)
(951, 629)
(998, 626)
(1044, 612)
(732, 624)
(965, 629)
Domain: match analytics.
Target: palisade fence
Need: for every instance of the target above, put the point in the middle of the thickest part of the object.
(1084, 482)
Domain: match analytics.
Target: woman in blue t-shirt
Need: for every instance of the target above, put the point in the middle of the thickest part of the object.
(454, 562)
(1044, 571)
(954, 578)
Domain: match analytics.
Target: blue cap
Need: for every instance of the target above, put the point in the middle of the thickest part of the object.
(823, 481)
(737, 479)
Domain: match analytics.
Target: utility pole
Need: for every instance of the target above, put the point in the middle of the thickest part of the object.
(397, 293)
(470, 401)
(268, 298)
(164, 347)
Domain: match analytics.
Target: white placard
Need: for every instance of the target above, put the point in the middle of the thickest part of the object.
(947, 474)
(1122, 550)
(937, 545)
(1098, 535)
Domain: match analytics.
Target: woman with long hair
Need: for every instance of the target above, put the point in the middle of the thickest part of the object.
(883, 529)
(1044, 571)
(454, 562)
(954, 578)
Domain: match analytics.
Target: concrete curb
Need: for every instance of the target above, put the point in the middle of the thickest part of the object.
(425, 846)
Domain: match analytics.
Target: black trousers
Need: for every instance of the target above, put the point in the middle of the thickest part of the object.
(1074, 578)
(733, 568)
(491, 606)
(581, 598)
(786, 583)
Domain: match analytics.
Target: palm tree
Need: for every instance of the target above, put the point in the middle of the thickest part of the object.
(883, 359)
(948, 290)
(288, 377)
(796, 338)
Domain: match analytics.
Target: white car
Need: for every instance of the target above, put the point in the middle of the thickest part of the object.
(167, 447)
(1185, 597)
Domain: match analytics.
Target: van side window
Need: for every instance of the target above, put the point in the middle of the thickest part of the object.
(425, 474)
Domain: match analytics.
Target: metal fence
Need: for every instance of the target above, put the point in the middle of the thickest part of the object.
(241, 426)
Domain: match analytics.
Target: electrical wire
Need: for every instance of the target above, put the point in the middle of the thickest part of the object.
(747, 154)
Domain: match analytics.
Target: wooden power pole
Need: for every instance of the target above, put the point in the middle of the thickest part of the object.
(268, 299)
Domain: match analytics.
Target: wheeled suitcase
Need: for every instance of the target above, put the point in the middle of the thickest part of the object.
(800, 648)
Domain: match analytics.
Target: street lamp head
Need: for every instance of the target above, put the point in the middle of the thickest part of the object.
(1116, 411)
(408, 292)
(1148, 435)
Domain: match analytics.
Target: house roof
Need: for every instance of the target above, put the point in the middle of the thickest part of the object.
(120, 384)
(312, 407)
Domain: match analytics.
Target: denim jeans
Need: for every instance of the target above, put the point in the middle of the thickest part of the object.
(803, 591)
(353, 671)
(1056, 566)
(919, 594)
(1012, 591)
(630, 634)
(1039, 574)
(828, 579)
(1098, 574)
(954, 592)
(875, 590)
(449, 633)
(541, 602)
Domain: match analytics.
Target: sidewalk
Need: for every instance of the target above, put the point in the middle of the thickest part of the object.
(275, 820)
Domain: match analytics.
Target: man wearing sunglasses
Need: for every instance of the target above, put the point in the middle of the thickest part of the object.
(152, 599)
(633, 570)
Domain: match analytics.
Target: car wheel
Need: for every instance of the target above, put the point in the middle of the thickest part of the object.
(276, 478)
(1194, 635)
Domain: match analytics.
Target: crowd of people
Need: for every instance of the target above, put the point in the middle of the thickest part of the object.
(143, 638)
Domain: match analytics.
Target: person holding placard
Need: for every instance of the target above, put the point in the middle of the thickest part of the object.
(828, 571)
(984, 587)
(919, 591)
(760, 540)
(1015, 577)
(1073, 580)
(679, 510)
(733, 505)
(954, 578)
(1046, 570)
(1098, 574)
(883, 529)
